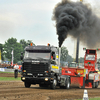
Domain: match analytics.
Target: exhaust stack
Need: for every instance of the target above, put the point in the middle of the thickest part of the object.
(59, 56)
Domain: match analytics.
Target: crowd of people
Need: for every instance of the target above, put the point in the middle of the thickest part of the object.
(17, 68)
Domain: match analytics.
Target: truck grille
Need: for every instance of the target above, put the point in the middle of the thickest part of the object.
(35, 68)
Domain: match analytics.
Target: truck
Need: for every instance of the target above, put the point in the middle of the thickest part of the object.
(87, 76)
(40, 65)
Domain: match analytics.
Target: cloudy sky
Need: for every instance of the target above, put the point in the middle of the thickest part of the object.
(32, 20)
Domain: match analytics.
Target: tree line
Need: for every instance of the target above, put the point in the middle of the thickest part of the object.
(18, 47)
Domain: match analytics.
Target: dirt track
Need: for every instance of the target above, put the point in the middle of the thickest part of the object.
(15, 90)
(9, 75)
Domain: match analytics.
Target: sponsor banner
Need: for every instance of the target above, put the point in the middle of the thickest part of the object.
(2, 69)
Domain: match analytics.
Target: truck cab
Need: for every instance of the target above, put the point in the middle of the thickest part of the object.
(39, 67)
(90, 60)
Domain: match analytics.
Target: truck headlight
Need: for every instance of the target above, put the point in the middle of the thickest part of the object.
(46, 79)
(23, 78)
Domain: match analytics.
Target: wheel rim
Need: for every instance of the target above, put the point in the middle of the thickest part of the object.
(55, 82)
(68, 85)
(93, 84)
(97, 83)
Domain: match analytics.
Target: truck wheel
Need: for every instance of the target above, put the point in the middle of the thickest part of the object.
(96, 84)
(82, 87)
(41, 85)
(67, 84)
(93, 85)
(27, 85)
(53, 85)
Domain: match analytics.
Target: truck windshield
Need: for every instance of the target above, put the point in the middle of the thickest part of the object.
(90, 57)
(36, 55)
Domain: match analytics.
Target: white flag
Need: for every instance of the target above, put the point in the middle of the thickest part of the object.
(12, 58)
(12, 52)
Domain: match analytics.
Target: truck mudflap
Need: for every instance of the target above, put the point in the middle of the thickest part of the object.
(37, 80)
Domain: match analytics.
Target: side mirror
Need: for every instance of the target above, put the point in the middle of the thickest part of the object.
(21, 57)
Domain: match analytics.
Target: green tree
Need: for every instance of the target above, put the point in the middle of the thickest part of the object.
(81, 60)
(64, 53)
(1, 48)
(12, 44)
(23, 43)
(69, 58)
(29, 41)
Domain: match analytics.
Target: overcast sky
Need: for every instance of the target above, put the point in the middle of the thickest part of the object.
(32, 20)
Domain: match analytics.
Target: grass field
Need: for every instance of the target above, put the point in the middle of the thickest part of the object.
(7, 72)
(91, 99)
(9, 79)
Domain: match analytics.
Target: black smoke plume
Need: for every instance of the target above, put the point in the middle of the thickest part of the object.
(77, 20)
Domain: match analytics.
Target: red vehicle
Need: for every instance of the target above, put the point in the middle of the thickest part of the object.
(86, 77)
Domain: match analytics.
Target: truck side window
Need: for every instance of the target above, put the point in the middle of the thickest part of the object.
(53, 55)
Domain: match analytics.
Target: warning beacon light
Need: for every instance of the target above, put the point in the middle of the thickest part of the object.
(31, 44)
(98, 48)
(48, 44)
(84, 48)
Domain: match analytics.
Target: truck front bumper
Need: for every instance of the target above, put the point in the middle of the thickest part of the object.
(37, 80)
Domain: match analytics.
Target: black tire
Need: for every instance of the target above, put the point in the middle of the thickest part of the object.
(93, 85)
(83, 87)
(27, 85)
(67, 84)
(53, 85)
(96, 84)
(41, 85)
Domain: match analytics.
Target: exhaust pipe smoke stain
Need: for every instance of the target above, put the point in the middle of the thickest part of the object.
(77, 20)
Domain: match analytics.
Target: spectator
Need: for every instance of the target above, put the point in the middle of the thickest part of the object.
(16, 70)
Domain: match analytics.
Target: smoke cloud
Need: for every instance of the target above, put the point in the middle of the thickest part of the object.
(77, 20)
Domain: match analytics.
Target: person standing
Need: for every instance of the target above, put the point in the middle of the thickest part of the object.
(16, 70)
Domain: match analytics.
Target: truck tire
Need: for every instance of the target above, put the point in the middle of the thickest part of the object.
(93, 85)
(67, 84)
(41, 85)
(27, 85)
(83, 87)
(53, 85)
(96, 84)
